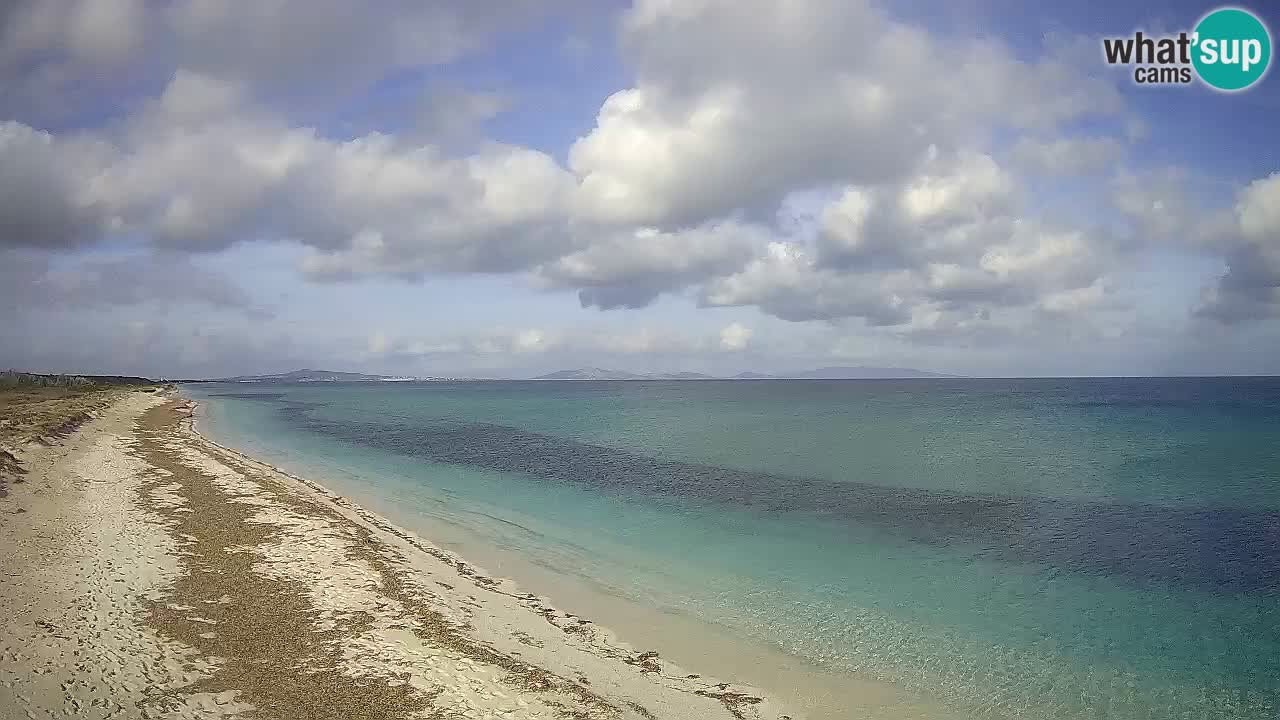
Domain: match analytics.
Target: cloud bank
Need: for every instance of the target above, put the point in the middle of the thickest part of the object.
(804, 163)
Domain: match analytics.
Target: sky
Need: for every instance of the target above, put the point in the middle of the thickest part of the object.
(197, 188)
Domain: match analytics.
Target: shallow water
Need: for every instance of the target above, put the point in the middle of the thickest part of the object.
(1004, 548)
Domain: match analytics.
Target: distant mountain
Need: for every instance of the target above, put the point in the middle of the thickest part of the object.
(595, 373)
(680, 376)
(314, 376)
(590, 373)
(861, 372)
(826, 373)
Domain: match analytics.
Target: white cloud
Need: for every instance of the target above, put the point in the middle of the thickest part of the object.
(1076, 299)
(46, 188)
(631, 268)
(788, 283)
(950, 244)
(1259, 210)
(969, 188)
(195, 170)
(1067, 155)
(740, 102)
(529, 341)
(1250, 289)
(820, 161)
(735, 337)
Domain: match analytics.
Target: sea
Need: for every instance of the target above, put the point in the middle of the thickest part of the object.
(958, 548)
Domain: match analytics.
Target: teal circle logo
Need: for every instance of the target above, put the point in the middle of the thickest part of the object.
(1232, 49)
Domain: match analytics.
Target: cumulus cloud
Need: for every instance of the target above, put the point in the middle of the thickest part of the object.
(735, 336)
(1259, 210)
(941, 213)
(787, 282)
(806, 159)
(946, 247)
(196, 171)
(1250, 289)
(410, 210)
(739, 103)
(631, 268)
(46, 198)
(204, 166)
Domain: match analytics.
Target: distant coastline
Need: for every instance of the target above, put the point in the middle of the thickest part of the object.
(590, 373)
(824, 373)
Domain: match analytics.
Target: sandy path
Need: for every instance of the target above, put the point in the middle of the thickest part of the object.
(156, 574)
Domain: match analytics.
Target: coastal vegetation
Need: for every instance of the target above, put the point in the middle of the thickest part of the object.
(42, 408)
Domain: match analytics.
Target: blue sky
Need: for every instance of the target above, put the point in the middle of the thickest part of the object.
(475, 188)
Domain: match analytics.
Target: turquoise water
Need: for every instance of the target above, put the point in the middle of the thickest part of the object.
(1005, 548)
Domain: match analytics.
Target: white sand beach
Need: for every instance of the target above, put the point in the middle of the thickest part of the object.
(149, 572)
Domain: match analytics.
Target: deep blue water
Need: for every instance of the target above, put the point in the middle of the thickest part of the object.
(1009, 548)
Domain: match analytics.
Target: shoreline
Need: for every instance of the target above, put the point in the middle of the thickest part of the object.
(220, 585)
(803, 688)
(541, 605)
